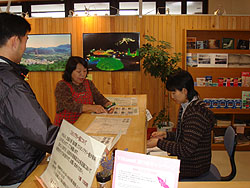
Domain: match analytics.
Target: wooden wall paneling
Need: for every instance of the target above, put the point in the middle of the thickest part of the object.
(178, 44)
(223, 22)
(244, 24)
(48, 91)
(107, 83)
(35, 79)
(148, 82)
(132, 80)
(125, 80)
(102, 80)
(114, 83)
(130, 26)
(124, 22)
(81, 25)
(232, 22)
(156, 27)
(163, 27)
(199, 23)
(105, 23)
(74, 36)
(122, 84)
(204, 22)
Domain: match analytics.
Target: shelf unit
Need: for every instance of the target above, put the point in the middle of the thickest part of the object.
(217, 72)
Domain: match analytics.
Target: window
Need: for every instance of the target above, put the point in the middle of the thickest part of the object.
(194, 7)
(173, 7)
(148, 8)
(51, 10)
(86, 9)
(132, 8)
(13, 9)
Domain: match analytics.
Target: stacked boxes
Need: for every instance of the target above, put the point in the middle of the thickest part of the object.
(221, 82)
(245, 99)
(229, 82)
(223, 103)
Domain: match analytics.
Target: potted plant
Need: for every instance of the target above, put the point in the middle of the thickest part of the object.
(159, 63)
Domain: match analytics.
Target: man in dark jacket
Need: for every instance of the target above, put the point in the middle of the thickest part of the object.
(26, 132)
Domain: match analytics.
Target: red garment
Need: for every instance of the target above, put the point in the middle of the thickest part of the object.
(83, 98)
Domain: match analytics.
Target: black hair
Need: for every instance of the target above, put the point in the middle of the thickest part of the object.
(179, 80)
(12, 25)
(71, 66)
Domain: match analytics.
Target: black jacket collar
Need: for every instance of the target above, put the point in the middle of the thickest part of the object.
(18, 69)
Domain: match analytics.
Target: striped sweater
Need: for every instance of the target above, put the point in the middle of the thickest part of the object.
(192, 140)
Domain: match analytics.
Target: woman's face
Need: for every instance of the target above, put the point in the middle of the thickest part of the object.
(179, 96)
(79, 74)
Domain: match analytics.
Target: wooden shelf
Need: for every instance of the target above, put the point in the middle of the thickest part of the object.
(230, 111)
(224, 127)
(220, 72)
(218, 51)
(242, 147)
(221, 92)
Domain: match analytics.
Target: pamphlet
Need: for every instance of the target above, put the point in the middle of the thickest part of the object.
(74, 160)
(144, 171)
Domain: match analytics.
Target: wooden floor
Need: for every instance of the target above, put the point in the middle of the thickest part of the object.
(242, 158)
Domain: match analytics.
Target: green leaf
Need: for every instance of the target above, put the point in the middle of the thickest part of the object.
(159, 63)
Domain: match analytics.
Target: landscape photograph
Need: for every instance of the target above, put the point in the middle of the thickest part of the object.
(47, 52)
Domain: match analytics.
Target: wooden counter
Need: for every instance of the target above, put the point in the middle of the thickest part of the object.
(134, 140)
(218, 184)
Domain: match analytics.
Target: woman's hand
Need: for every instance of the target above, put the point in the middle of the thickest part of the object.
(160, 135)
(111, 109)
(152, 142)
(93, 108)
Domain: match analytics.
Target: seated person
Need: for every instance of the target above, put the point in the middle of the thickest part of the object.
(191, 142)
(75, 94)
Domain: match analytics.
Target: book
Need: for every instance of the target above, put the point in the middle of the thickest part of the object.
(242, 139)
(204, 60)
(218, 139)
(213, 44)
(220, 60)
(245, 77)
(245, 99)
(192, 60)
(223, 123)
(201, 81)
(243, 44)
(191, 42)
(227, 43)
(202, 44)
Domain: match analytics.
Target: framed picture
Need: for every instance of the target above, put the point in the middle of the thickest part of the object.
(47, 52)
(112, 51)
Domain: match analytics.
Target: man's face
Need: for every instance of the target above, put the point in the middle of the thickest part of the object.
(21, 48)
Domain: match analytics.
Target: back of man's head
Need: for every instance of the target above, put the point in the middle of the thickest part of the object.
(12, 25)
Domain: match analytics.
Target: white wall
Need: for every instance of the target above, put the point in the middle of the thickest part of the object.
(231, 6)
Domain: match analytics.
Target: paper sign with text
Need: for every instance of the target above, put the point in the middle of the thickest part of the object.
(74, 160)
(144, 171)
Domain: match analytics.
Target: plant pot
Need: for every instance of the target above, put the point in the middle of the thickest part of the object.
(166, 127)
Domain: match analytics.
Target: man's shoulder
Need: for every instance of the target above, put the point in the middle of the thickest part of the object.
(8, 77)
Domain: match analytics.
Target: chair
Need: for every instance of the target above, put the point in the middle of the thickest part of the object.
(213, 174)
